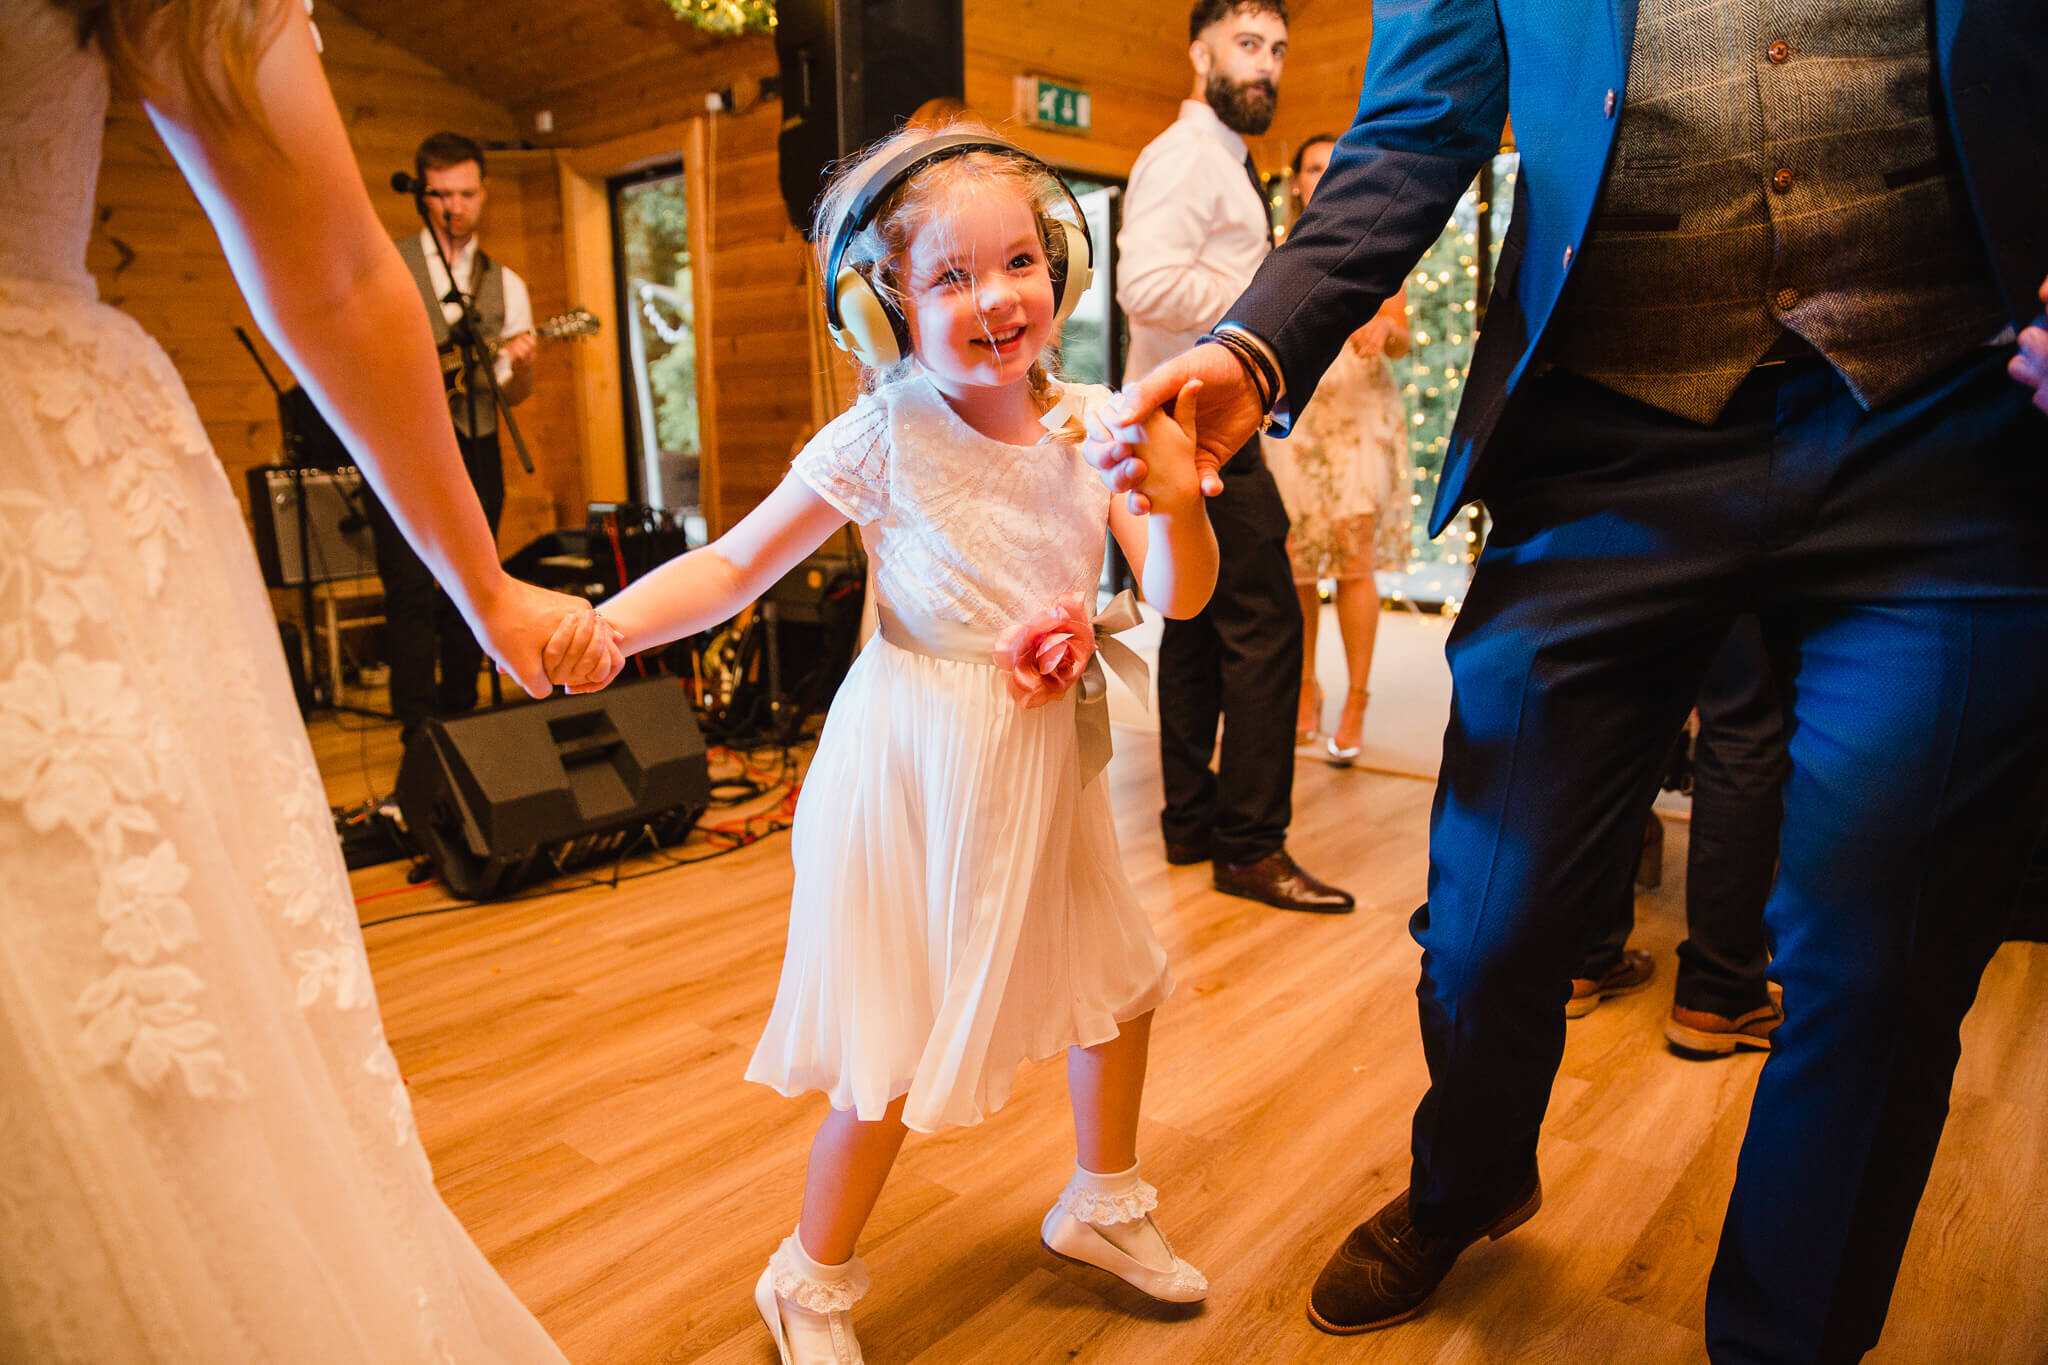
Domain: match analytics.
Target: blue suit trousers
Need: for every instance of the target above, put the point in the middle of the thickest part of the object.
(1898, 562)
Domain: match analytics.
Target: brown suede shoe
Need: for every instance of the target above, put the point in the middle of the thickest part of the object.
(1277, 880)
(1625, 977)
(1387, 1268)
(1699, 1033)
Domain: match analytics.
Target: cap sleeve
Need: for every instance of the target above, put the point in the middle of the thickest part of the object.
(846, 463)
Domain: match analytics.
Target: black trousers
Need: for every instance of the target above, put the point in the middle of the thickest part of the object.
(1739, 767)
(1898, 563)
(1238, 662)
(421, 623)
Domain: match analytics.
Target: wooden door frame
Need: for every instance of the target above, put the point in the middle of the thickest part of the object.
(587, 229)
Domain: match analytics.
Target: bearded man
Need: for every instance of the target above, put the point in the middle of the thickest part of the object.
(1196, 226)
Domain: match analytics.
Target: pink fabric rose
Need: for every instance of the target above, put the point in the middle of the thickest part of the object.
(1043, 656)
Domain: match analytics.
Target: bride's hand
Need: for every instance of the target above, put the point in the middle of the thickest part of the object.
(515, 623)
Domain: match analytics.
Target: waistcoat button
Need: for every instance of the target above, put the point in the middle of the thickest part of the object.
(1779, 52)
(1781, 180)
(1785, 298)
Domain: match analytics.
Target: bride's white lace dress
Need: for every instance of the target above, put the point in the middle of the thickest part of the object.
(206, 1151)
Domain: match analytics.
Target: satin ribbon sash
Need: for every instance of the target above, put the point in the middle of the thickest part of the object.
(967, 644)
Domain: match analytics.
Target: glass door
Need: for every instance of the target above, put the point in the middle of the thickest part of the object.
(651, 256)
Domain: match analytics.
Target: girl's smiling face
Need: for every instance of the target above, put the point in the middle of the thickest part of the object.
(980, 297)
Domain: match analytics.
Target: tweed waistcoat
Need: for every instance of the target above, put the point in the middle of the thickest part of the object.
(488, 303)
(1777, 168)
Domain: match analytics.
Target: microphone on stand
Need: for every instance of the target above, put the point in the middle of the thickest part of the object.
(405, 184)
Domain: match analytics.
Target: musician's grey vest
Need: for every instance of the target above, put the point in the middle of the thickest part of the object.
(1777, 165)
(487, 280)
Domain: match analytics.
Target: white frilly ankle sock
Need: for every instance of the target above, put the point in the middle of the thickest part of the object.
(816, 1288)
(1118, 1206)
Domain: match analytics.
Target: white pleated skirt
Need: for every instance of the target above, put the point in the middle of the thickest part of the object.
(959, 905)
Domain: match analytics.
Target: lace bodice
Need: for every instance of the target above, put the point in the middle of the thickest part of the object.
(960, 527)
(53, 106)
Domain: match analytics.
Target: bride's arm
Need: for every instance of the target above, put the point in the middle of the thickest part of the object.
(329, 291)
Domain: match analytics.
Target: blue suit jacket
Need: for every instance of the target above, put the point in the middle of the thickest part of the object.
(1442, 79)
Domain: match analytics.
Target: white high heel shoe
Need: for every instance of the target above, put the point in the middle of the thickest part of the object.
(1065, 1235)
(816, 1333)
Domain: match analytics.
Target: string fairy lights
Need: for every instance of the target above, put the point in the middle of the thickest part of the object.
(1441, 313)
(727, 18)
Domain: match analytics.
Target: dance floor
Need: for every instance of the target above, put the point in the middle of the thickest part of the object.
(575, 1060)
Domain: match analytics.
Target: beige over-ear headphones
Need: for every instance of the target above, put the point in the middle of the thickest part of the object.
(861, 318)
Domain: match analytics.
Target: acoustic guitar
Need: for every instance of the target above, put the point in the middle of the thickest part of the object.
(577, 322)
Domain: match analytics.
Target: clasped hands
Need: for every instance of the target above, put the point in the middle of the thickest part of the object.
(2029, 364)
(1201, 403)
(544, 639)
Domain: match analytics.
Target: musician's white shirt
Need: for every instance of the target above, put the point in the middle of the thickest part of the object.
(518, 304)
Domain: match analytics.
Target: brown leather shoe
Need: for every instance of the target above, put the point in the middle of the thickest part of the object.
(1387, 1267)
(1277, 880)
(1625, 977)
(1180, 855)
(1700, 1033)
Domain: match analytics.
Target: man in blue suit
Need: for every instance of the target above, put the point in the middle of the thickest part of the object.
(1770, 265)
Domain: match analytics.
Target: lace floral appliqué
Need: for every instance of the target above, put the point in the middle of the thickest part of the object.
(84, 758)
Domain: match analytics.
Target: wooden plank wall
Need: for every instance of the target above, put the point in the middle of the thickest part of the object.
(154, 254)
(759, 341)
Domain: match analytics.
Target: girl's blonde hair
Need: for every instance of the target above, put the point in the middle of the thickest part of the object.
(881, 249)
(214, 44)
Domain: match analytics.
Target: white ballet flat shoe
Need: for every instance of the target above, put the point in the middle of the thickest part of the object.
(1065, 1235)
(801, 1336)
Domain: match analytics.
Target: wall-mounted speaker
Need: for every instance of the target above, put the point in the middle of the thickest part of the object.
(509, 796)
(853, 71)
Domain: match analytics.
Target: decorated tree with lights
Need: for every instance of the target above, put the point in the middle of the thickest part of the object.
(1443, 315)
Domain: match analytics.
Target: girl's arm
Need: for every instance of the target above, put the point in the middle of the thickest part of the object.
(331, 294)
(706, 586)
(1172, 550)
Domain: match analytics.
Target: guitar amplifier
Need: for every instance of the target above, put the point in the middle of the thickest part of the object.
(338, 540)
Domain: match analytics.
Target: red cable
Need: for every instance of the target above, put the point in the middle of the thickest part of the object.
(611, 529)
(398, 891)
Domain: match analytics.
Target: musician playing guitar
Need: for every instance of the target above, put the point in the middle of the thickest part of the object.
(422, 626)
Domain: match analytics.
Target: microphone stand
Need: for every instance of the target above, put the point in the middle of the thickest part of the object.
(316, 685)
(476, 359)
(469, 337)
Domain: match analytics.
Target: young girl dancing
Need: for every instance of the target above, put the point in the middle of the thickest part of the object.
(958, 905)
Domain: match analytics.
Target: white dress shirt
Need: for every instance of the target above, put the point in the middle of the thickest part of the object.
(518, 303)
(1193, 234)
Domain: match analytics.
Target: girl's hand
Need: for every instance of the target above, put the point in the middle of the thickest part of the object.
(1175, 466)
(2030, 364)
(515, 622)
(583, 653)
(1230, 414)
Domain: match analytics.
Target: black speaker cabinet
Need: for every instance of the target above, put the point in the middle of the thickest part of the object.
(505, 797)
(853, 71)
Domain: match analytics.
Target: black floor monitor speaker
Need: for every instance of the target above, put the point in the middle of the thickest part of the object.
(853, 71)
(505, 797)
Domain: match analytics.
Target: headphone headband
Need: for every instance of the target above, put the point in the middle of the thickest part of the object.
(899, 168)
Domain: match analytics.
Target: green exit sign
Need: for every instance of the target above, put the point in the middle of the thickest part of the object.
(1053, 104)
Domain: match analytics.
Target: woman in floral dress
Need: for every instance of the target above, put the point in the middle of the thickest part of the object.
(1340, 474)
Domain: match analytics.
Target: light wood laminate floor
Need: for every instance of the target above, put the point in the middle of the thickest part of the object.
(575, 1061)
